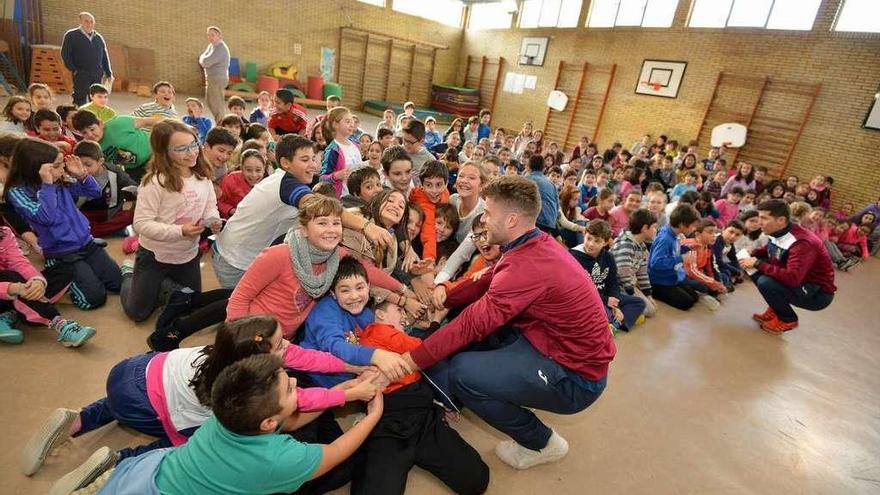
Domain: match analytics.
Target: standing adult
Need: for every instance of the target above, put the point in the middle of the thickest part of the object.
(215, 62)
(85, 55)
(794, 269)
(560, 347)
(549, 196)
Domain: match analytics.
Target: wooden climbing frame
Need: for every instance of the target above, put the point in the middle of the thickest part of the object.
(775, 119)
(588, 88)
(484, 73)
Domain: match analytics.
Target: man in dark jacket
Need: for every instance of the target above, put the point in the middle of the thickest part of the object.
(558, 360)
(794, 269)
(85, 54)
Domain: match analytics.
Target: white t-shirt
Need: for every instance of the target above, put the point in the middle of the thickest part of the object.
(353, 158)
(184, 407)
(267, 212)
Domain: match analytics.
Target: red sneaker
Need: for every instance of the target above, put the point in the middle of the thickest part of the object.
(765, 316)
(777, 326)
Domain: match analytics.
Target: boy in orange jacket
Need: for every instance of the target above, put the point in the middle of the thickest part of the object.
(703, 273)
(428, 195)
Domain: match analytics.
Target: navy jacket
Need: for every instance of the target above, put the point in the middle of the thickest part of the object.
(83, 55)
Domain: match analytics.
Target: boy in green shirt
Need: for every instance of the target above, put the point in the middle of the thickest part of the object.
(98, 96)
(123, 139)
(240, 449)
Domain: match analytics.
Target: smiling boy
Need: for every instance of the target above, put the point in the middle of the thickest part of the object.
(162, 105)
(434, 177)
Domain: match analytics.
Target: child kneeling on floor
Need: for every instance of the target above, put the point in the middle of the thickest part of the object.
(239, 449)
(412, 431)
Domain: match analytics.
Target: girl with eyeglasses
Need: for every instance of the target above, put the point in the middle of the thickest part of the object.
(176, 202)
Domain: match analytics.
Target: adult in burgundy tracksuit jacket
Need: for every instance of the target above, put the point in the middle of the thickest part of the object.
(560, 358)
(793, 269)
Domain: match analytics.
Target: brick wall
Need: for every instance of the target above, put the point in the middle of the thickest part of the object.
(833, 142)
(263, 31)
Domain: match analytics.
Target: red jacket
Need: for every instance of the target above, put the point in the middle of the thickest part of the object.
(796, 258)
(293, 121)
(429, 230)
(234, 188)
(382, 336)
(541, 290)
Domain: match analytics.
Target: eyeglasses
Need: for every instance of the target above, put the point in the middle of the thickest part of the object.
(411, 142)
(193, 146)
(482, 236)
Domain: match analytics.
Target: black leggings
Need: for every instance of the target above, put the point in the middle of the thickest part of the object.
(681, 296)
(140, 291)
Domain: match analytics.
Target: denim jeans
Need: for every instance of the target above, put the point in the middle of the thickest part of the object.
(227, 275)
(500, 385)
(782, 298)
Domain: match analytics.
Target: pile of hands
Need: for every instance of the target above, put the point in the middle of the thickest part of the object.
(32, 290)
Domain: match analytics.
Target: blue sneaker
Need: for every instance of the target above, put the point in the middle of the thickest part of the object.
(8, 334)
(72, 334)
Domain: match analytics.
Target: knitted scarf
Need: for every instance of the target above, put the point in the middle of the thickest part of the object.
(303, 255)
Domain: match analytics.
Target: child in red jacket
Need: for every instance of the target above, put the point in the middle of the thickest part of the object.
(236, 185)
(289, 118)
(412, 430)
(47, 126)
(703, 274)
(26, 293)
(434, 177)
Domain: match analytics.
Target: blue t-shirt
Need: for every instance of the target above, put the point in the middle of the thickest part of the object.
(332, 329)
(216, 460)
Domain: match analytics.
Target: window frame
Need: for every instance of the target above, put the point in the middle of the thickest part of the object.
(470, 17)
(641, 24)
(764, 26)
(853, 34)
(522, 7)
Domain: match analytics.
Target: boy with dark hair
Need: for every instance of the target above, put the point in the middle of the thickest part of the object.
(547, 219)
(432, 192)
(162, 106)
(397, 167)
(363, 185)
(446, 224)
(194, 118)
(703, 274)
(725, 254)
(98, 97)
(471, 130)
(667, 260)
(624, 311)
(484, 130)
(237, 106)
(123, 139)
(385, 137)
(413, 136)
(47, 126)
(67, 113)
(240, 449)
(218, 149)
(106, 214)
(288, 117)
(630, 251)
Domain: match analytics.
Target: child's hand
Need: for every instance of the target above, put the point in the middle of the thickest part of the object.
(439, 296)
(390, 363)
(33, 290)
(414, 308)
(14, 289)
(74, 166)
(421, 267)
(618, 314)
(364, 390)
(192, 229)
(342, 175)
(379, 236)
(46, 173)
(375, 406)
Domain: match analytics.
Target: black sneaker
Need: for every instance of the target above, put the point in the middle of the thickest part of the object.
(165, 337)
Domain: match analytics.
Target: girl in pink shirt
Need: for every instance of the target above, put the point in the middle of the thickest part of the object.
(176, 203)
(168, 394)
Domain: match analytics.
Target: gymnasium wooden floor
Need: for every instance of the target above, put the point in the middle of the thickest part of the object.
(697, 402)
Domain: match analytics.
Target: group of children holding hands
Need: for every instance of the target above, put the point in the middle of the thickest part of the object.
(336, 252)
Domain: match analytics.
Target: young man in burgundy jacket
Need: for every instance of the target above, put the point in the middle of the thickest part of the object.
(792, 270)
(559, 358)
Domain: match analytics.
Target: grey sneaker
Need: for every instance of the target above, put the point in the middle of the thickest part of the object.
(52, 432)
(86, 473)
(710, 302)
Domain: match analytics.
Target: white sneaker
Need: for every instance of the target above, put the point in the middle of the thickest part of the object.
(86, 473)
(520, 457)
(710, 302)
(53, 432)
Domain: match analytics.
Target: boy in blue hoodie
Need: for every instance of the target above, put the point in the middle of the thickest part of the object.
(624, 311)
(667, 259)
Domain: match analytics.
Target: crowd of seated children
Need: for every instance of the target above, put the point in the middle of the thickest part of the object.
(399, 221)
